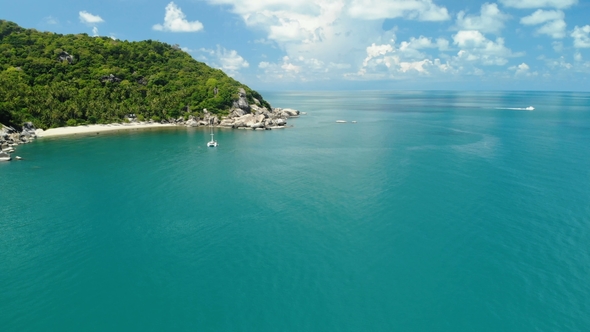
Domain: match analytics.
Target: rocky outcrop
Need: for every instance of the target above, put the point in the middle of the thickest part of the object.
(110, 78)
(65, 56)
(10, 137)
(242, 102)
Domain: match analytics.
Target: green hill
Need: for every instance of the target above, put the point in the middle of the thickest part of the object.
(55, 80)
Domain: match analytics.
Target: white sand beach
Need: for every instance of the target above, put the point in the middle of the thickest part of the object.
(98, 128)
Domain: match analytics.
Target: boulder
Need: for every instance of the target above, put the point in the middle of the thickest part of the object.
(65, 56)
(285, 112)
(291, 112)
(227, 123)
(242, 102)
(236, 113)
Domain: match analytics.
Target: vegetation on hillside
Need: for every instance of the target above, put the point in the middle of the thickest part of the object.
(54, 80)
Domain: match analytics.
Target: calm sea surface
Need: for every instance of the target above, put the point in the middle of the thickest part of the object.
(436, 211)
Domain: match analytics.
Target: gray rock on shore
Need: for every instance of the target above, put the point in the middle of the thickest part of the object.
(244, 116)
(10, 137)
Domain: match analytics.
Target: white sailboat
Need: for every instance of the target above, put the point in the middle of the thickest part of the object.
(212, 143)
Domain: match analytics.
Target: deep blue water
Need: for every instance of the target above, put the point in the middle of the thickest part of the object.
(436, 211)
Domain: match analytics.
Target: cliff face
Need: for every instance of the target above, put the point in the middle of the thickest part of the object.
(54, 80)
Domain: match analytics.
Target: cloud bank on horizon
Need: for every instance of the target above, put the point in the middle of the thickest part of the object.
(371, 42)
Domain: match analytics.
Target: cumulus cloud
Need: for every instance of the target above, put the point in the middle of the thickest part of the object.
(561, 4)
(581, 36)
(422, 10)
(327, 31)
(542, 16)
(227, 60)
(231, 61)
(90, 20)
(522, 70)
(554, 29)
(475, 47)
(411, 49)
(491, 19)
(553, 22)
(405, 60)
(175, 21)
(374, 51)
(87, 18)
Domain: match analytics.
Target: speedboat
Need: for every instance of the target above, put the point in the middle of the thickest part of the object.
(530, 108)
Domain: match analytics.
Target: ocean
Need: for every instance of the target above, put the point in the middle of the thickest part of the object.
(435, 211)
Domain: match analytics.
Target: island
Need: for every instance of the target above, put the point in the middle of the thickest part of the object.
(53, 84)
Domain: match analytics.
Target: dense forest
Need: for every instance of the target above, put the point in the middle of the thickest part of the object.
(54, 80)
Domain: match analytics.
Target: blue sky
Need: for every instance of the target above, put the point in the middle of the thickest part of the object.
(349, 44)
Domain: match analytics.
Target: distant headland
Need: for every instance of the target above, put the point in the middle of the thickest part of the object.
(53, 84)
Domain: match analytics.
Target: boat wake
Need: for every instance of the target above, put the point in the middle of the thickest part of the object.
(530, 108)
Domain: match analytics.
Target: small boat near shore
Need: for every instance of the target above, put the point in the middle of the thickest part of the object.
(212, 143)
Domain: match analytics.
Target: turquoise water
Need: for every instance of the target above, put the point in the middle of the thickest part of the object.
(437, 211)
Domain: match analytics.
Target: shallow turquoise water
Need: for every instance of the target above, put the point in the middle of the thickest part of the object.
(437, 211)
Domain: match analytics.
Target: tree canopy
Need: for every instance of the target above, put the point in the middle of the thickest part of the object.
(53, 80)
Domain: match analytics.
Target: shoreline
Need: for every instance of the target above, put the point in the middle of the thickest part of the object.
(98, 128)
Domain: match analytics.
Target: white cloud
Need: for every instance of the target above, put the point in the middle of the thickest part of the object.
(95, 31)
(554, 29)
(553, 22)
(175, 21)
(411, 49)
(416, 65)
(329, 32)
(476, 48)
(522, 70)
(231, 61)
(578, 57)
(374, 51)
(560, 63)
(539, 3)
(51, 20)
(581, 36)
(87, 18)
(388, 61)
(422, 10)
(491, 19)
(227, 60)
(542, 16)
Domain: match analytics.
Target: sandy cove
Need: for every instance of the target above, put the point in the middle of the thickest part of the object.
(98, 128)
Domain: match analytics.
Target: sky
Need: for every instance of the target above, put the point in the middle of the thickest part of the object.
(349, 44)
